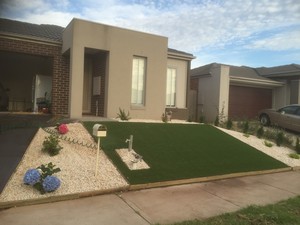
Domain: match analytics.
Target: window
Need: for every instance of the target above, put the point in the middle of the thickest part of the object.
(138, 81)
(171, 87)
(288, 110)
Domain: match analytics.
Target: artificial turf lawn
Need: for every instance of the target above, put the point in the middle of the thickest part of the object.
(181, 151)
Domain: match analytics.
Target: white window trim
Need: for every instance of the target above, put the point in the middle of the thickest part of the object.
(138, 101)
(175, 89)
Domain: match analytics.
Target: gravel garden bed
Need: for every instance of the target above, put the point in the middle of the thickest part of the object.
(77, 164)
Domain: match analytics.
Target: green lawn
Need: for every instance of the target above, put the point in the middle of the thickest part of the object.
(181, 151)
(283, 213)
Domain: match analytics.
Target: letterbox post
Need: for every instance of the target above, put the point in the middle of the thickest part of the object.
(99, 130)
(97, 159)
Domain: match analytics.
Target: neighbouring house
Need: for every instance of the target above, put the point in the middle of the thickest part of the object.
(240, 92)
(90, 68)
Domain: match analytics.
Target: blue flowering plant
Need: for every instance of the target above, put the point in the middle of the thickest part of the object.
(42, 178)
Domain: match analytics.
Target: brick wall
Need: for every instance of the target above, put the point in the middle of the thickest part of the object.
(60, 68)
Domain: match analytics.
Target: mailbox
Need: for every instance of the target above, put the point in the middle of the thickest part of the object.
(99, 130)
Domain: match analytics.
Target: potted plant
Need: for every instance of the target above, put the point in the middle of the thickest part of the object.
(44, 104)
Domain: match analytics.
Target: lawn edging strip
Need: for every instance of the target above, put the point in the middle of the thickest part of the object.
(50, 199)
(10, 204)
(206, 179)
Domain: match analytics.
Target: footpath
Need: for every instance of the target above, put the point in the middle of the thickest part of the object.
(161, 205)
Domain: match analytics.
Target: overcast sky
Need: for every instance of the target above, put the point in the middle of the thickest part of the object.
(237, 32)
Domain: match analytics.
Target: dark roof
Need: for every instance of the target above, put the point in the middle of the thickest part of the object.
(47, 32)
(245, 72)
(43, 31)
(262, 73)
(234, 71)
(279, 71)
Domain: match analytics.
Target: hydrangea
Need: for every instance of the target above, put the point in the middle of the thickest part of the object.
(32, 176)
(51, 183)
(62, 129)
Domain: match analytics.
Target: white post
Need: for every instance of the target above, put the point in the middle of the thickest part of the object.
(97, 160)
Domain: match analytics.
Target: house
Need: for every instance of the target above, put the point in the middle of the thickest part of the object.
(92, 69)
(240, 92)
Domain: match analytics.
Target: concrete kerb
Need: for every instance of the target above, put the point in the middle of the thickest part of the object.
(51, 199)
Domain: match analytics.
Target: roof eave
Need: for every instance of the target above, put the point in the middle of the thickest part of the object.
(180, 56)
(255, 82)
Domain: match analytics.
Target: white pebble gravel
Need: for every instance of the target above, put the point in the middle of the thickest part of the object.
(128, 157)
(77, 164)
(280, 153)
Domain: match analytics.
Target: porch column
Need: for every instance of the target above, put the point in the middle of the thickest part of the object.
(76, 82)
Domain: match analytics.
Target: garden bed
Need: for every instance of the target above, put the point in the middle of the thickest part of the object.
(77, 164)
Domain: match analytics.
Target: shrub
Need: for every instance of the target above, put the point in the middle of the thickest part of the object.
(297, 147)
(245, 127)
(62, 129)
(229, 124)
(268, 144)
(217, 122)
(51, 183)
(279, 138)
(164, 118)
(202, 119)
(294, 156)
(260, 132)
(31, 177)
(122, 115)
(51, 145)
(41, 178)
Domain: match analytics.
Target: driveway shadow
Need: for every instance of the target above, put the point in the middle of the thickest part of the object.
(16, 133)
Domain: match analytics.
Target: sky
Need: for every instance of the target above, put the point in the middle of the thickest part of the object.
(252, 33)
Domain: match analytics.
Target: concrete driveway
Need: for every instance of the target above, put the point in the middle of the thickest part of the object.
(161, 205)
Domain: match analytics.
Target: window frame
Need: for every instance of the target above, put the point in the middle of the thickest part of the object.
(173, 93)
(136, 100)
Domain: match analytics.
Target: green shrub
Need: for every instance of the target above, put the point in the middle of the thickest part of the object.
(297, 147)
(46, 170)
(260, 132)
(245, 127)
(217, 122)
(202, 119)
(294, 156)
(268, 144)
(164, 118)
(123, 115)
(51, 145)
(279, 138)
(229, 124)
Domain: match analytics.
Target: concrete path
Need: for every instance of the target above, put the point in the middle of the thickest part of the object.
(161, 205)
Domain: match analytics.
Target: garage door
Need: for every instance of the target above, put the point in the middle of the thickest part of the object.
(246, 102)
